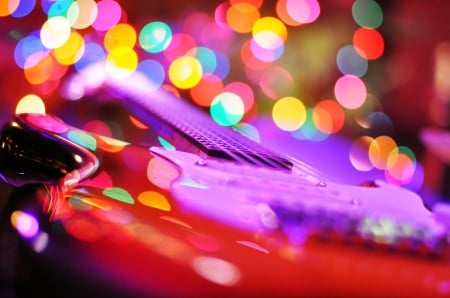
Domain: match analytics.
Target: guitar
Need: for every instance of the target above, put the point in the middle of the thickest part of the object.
(202, 210)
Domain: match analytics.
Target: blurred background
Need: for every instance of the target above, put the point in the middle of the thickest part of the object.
(371, 76)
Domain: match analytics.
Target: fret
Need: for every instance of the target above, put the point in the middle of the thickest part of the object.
(181, 118)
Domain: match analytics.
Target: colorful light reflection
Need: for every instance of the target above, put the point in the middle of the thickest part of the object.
(25, 223)
(155, 37)
(8, 7)
(197, 54)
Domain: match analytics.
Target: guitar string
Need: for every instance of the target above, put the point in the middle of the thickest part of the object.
(138, 94)
(141, 97)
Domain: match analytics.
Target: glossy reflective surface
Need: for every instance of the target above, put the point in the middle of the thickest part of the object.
(132, 227)
(28, 156)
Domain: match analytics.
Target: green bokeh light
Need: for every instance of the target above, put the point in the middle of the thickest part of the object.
(227, 109)
(83, 139)
(155, 37)
(367, 13)
(118, 194)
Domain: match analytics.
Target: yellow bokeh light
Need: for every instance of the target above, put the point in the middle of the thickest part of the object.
(109, 144)
(379, 151)
(121, 35)
(155, 200)
(30, 103)
(185, 72)
(289, 113)
(269, 32)
(121, 62)
(71, 51)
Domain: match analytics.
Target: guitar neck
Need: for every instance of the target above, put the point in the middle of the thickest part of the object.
(190, 128)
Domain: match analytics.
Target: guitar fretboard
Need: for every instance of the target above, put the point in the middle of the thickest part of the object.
(171, 115)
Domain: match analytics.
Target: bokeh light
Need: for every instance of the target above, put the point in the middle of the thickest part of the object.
(165, 143)
(26, 224)
(83, 139)
(241, 16)
(255, 3)
(378, 123)
(227, 109)
(208, 88)
(154, 71)
(223, 65)
(92, 55)
(71, 51)
(284, 14)
(308, 131)
(55, 32)
(24, 8)
(155, 37)
(350, 91)
(185, 72)
(110, 144)
(109, 14)
(216, 270)
(206, 57)
(82, 13)
(161, 173)
(119, 194)
(199, 53)
(249, 60)
(264, 54)
(303, 11)
(328, 116)
(121, 35)
(41, 72)
(289, 113)
(350, 62)
(58, 8)
(369, 43)
(367, 13)
(269, 33)
(358, 153)
(380, 150)
(155, 200)
(30, 103)
(220, 14)
(401, 166)
(98, 127)
(179, 45)
(29, 51)
(8, 7)
(121, 62)
(276, 82)
(244, 91)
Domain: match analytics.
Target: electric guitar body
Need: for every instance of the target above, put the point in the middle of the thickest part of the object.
(209, 213)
